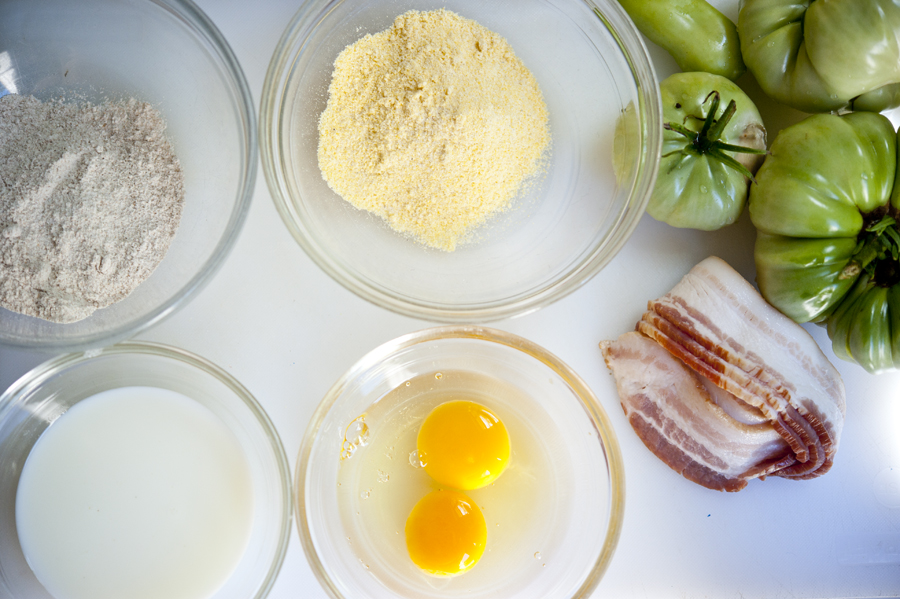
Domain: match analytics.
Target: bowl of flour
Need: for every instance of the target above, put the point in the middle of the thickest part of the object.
(127, 163)
(454, 162)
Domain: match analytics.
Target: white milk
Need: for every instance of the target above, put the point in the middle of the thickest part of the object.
(136, 492)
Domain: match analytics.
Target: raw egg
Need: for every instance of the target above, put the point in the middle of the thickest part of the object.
(445, 533)
(463, 445)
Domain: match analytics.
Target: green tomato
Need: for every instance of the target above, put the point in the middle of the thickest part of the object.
(825, 205)
(698, 36)
(866, 326)
(878, 100)
(702, 182)
(823, 175)
(819, 55)
(801, 277)
(854, 43)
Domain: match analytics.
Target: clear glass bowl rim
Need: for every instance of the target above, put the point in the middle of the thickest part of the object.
(192, 14)
(649, 105)
(605, 435)
(33, 379)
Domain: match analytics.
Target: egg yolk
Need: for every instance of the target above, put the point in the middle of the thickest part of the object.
(463, 445)
(445, 533)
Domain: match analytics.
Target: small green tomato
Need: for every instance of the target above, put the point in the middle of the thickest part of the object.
(714, 141)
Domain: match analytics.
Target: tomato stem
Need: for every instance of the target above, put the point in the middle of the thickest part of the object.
(880, 241)
(706, 141)
(718, 125)
(702, 141)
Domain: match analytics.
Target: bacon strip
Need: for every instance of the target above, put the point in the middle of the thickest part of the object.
(715, 362)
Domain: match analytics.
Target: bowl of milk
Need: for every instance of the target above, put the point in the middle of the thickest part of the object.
(139, 471)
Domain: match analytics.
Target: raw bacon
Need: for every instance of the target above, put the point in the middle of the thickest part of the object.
(724, 388)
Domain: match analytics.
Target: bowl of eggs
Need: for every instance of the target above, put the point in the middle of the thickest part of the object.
(460, 162)
(139, 471)
(459, 461)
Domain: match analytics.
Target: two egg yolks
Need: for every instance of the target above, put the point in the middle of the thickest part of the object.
(461, 445)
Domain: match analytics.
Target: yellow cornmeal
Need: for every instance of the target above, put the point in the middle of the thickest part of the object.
(433, 124)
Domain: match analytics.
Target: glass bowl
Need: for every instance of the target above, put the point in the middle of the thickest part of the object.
(36, 400)
(592, 67)
(167, 53)
(553, 517)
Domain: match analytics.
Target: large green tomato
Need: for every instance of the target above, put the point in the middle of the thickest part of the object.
(825, 204)
(820, 55)
(698, 185)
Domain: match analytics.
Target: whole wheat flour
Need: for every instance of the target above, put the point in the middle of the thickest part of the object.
(433, 124)
(90, 198)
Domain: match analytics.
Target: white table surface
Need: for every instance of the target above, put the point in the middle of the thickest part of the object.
(283, 328)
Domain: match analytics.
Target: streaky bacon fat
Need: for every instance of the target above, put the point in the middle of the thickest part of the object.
(724, 388)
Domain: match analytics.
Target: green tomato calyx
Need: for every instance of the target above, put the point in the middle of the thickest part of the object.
(707, 142)
(877, 253)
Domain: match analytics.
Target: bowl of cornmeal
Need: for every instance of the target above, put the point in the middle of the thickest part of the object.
(459, 461)
(127, 162)
(460, 161)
